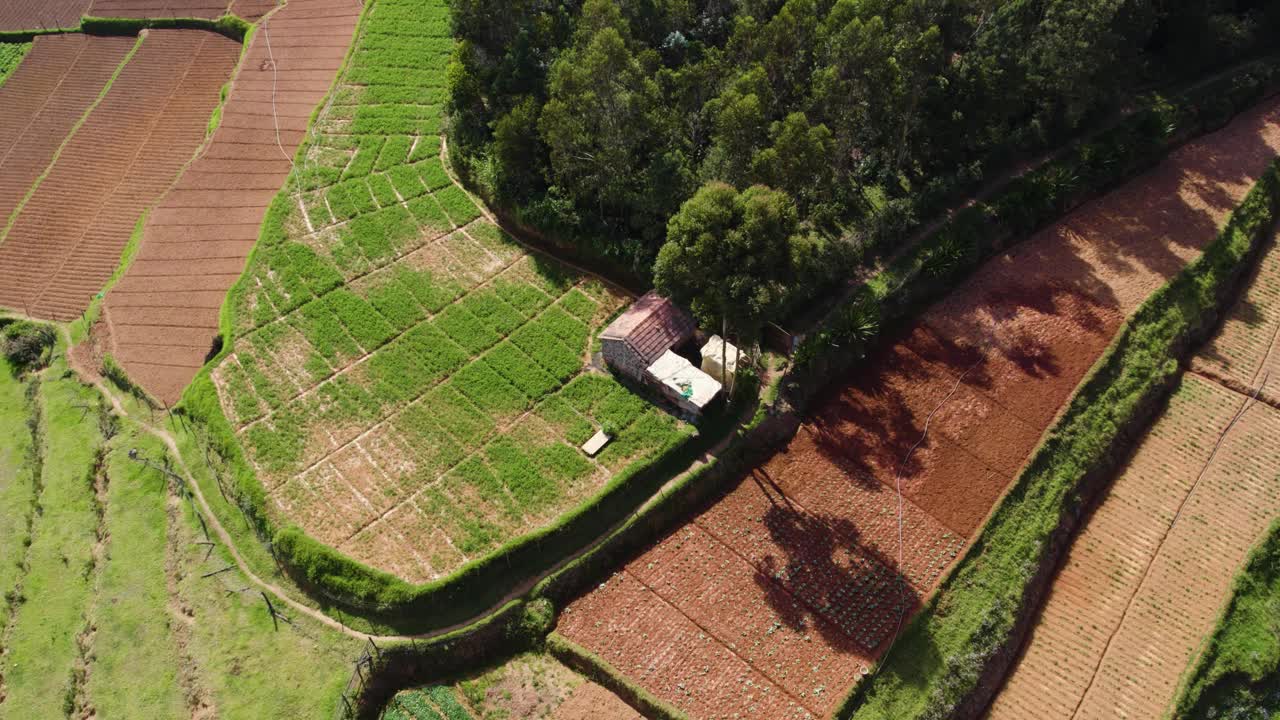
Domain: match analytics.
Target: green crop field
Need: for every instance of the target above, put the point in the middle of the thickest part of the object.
(410, 383)
(10, 55)
(108, 612)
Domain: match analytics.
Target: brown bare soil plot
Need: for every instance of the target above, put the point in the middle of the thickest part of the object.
(247, 9)
(67, 239)
(164, 312)
(589, 701)
(40, 14)
(807, 545)
(1145, 579)
(44, 99)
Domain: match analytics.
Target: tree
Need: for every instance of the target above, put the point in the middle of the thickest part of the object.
(598, 118)
(728, 256)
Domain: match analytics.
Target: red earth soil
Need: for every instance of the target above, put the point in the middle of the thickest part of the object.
(42, 101)
(247, 9)
(163, 314)
(1140, 590)
(589, 701)
(67, 239)
(790, 585)
(37, 14)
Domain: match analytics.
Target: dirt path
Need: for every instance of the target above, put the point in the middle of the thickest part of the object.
(1144, 581)
(163, 313)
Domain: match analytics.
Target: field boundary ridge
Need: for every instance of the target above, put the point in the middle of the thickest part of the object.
(989, 600)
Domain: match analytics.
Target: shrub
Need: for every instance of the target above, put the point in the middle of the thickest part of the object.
(27, 344)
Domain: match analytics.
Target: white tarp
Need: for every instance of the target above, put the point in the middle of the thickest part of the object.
(686, 381)
(719, 358)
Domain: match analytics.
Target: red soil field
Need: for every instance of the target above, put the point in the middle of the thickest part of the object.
(589, 701)
(807, 544)
(38, 14)
(247, 9)
(67, 239)
(1140, 590)
(42, 101)
(163, 315)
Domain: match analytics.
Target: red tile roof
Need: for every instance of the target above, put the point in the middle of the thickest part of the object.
(651, 326)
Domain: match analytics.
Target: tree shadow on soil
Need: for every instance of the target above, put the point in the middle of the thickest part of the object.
(835, 586)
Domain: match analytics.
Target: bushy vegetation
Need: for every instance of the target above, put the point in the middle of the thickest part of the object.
(26, 344)
(937, 663)
(11, 53)
(1238, 675)
(596, 121)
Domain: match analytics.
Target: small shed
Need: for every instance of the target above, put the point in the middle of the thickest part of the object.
(683, 383)
(720, 360)
(641, 334)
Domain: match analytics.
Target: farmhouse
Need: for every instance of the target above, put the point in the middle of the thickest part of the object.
(641, 344)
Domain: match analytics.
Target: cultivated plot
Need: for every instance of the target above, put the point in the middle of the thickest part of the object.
(47, 96)
(16, 15)
(529, 687)
(66, 238)
(1144, 581)
(807, 547)
(162, 316)
(409, 382)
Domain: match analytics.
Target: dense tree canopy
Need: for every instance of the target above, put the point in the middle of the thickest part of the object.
(730, 256)
(596, 120)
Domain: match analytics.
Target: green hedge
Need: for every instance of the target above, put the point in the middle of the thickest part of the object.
(228, 25)
(951, 657)
(1238, 675)
(934, 266)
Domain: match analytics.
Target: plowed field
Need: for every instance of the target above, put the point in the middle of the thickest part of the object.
(43, 100)
(770, 602)
(66, 240)
(38, 14)
(1144, 581)
(164, 312)
(589, 701)
(247, 9)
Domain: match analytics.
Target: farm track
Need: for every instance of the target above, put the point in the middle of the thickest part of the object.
(809, 541)
(163, 314)
(1146, 577)
(41, 14)
(67, 239)
(43, 101)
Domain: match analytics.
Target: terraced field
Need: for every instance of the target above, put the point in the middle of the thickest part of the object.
(1146, 577)
(162, 316)
(528, 687)
(409, 382)
(771, 600)
(41, 14)
(66, 238)
(47, 96)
